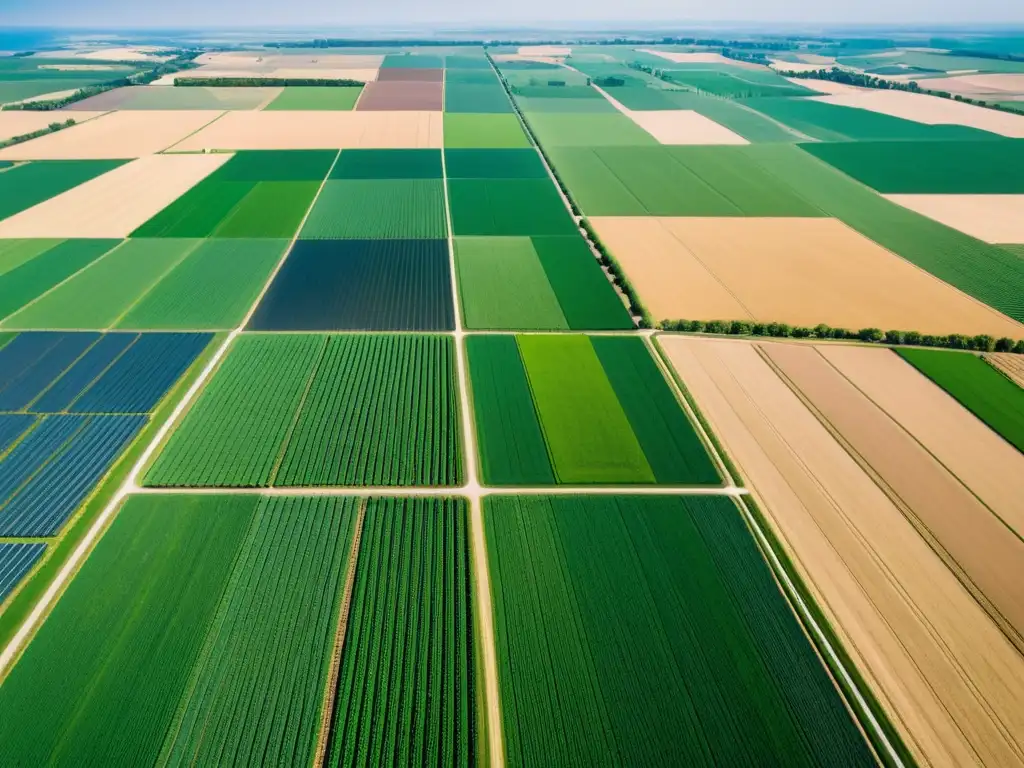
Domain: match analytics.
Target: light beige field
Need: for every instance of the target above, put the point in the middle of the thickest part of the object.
(814, 58)
(251, 60)
(982, 460)
(19, 122)
(796, 66)
(802, 271)
(116, 203)
(1010, 365)
(931, 110)
(309, 73)
(996, 84)
(318, 130)
(551, 51)
(700, 57)
(79, 67)
(683, 126)
(951, 682)
(992, 218)
(117, 135)
(113, 53)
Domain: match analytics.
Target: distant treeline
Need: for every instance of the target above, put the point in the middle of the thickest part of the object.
(752, 45)
(980, 343)
(261, 82)
(838, 75)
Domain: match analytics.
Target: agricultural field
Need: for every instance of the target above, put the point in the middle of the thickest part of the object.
(24, 78)
(315, 98)
(579, 410)
(617, 616)
(392, 401)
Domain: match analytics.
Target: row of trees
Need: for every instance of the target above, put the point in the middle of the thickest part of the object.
(51, 128)
(260, 82)
(980, 343)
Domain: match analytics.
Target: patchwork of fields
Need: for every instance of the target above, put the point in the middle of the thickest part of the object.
(332, 431)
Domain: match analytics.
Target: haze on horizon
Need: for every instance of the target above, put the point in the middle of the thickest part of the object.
(396, 13)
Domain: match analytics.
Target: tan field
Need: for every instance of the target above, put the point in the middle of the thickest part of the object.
(988, 556)
(951, 682)
(824, 86)
(318, 130)
(797, 66)
(118, 135)
(982, 460)
(684, 126)
(78, 67)
(133, 53)
(802, 271)
(116, 203)
(550, 51)
(980, 85)
(992, 218)
(931, 110)
(1012, 366)
(19, 122)
(304, 60)
(297, 72)
(700, 57)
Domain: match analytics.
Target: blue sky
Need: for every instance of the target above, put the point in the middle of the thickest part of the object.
(394, 13)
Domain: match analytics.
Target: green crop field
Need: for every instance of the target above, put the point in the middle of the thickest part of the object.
(978, 386)
(989, 274)
(931, 167)
(372, 209)
(388, 164)
(315, 98)
(257, 688)
(512, 448)
(277, 165)
(199, 211)
(676, 181)
(31, 183)
(39, 273)
(273, 209)
(105, 290)
(391, 403)
(554, 129)
(494, 164)
(484, 131)
(635, 630)
(474, 98)
(597, 425)
(14, 253)
(406, 686)
(471, 76)
(507, 207)
(587, 299)
(735, 83)
(563, 101)
(211, 289)
(102, 680)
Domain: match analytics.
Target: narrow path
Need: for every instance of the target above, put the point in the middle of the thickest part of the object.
(330, 699)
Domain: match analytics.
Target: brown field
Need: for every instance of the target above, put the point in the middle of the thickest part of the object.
(683, 126)
(19, 122)
(984, 462)
(802, 271)
(410, 75)
(931, 110)
(118, 135)
(1010, 365)
(951, 682)
(996, 85)
(986, 554)
(405, 95)
(318, 130)
(116, 203)
(992, 218)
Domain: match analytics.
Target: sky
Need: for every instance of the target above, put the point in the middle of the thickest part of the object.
(395, 13)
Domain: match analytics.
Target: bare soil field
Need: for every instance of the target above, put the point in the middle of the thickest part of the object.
(118, 135)
(545, 50)
(796, 66)
(984, 462)
(802, 271)
(155, 97)
(318, 130)
(254, 60)
(980, 85)
(1011, 365)
(19, 122)
(116, 203)
(986, 554)
(701, 57)
(951, 682)
(403, 95)
(307, 73)
(683, 126)
(931, 110)
(133, 53)
(992, 218)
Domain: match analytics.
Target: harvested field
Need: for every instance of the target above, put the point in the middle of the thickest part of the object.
(148, 97)
(29, 184)
(407, 683)
(305, 98)
(318, 130)
(1012, 366)
(790, 270)
(402, 95)
(973, 453)
(410, 75)
(550, 51)
(308, 410)
(991, 218)
(700, 58)
(950, 680)
(118, 135)
(588, 660)
(507, 207)
(19, 122)
(115, 204)
(932, 110)
(483, 131)
(380, 285)
(409, 209)
(684, 126)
